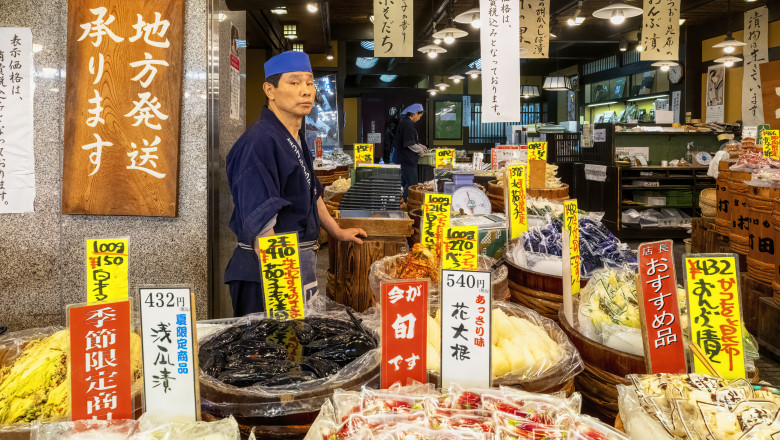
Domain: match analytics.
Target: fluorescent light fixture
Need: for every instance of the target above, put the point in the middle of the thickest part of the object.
(729, 60)
(456, 78)
(290, 31)
(367, 44)
(366, 62)
(617, 12)
(645, 98)
(599, 104)
(387, 78)
(432, 50)
(312, 7)
(279, 10)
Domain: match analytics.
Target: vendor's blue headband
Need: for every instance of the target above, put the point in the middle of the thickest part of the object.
(286, 62)
(414, 108)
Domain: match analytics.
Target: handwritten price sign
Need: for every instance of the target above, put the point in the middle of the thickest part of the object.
(436, 217)
(537, 151)
(280, 269)
(460, 248)
(318, 147)
(445, 158)
(770, 143)
(572, 225)
(517, 213)
(364, 153)
(107, 261)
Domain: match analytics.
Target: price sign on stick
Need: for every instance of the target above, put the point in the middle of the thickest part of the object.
(770, 143)
(280, 270)
(436, 217)
(465, 328)
(405, 332)
(364, 153)
(460, 248)
(658, 309)
(445, 158)
(169, 339)
(537, 151)
(714, 313)
(107, 262)
(100, 372)
(515, 198)
(318, 147)
(571, 253)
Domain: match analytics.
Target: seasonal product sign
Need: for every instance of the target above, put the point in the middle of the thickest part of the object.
(770, 143)
(123, 89)
(280, 270)
(460, 248)
(405, 331)
(107, 268)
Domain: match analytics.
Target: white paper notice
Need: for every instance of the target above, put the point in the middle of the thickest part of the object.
(17, 164)
(716, 87)
(661, 30)
(596, 173)
(535, 28)
(374, 138)
(170, 372)
(676, 97)
(755, 53)
(393, 28)
(500, 60)
(465, 328)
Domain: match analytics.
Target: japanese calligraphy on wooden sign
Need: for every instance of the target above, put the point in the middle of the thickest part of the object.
(770, 90)
(280, 269)
(17, 164)
(393, 28)
(658, 309)
(515, 197)
(770, 143)
(466, 304)
(712, 287)
(170, 367)
(445, 158)
(661, 30)
(500, 54)
(405, 332)
(318, 147)
(535, 28)
(107, 267)
(755, 53)
(460, 247)
(572, 226)
(100, 374)
(537, 151)
(123, 115)
(364, 153)
(500, 155)
(436, 217)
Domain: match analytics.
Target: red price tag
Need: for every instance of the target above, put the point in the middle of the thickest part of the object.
(404, 332)
(318, 148)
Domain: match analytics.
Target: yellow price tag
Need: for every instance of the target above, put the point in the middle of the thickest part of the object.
(537, 151)
(107, 269)
(460, 248)
(712, 288)
(572, 225)
(770, 141)
(445, 158)
(280, 270)
(364, 153)
(515, 188)
(436, 217)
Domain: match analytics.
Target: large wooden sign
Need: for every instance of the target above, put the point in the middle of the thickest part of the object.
(123, 95)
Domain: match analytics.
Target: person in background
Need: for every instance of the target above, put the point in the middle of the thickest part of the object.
(273, 185)
(390, 126)
(408, 147)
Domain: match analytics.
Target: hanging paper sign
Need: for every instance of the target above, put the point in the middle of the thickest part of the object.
(502, 154)
(364, 153)
(170, 373)
(572, 224)
(770, 143)
(445, 158)
(658, 309)
(100, 374)
(515, 199)
(755, 53)
(466, 304)
(393, 28)
(661, 30)
(534, 28)
(714, 313)
(318, 147)
(715, 100)
(500, 66)
(280, 270)
(460, 248)
(476, 161)
(107, 263)
(537, 151)
(436, 217)
(405, 332)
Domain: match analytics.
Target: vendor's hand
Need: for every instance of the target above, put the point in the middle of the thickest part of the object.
(352, 234)
(425, 150)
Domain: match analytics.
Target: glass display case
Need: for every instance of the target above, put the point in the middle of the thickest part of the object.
(323, 121)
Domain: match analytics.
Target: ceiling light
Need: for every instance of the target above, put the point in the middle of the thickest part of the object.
(367, 44)
(298, 47)
(312, 7)
(221, 17)
(456, 78)
(437, 41)
(329, 54)
(617, 12)
(387, 78)
(433, 92)
(623, 44)
(432, 50)
(529, 91)
(617, 17)
(442, 86)
(290, 31)
(682, 20)
(576, 21)
(280, 10)
(469, 17)
(371, 18)
(639, 47)
(474, 73)
(557, 83)
(552, 35)
(729, 45)
(37, 47)
(450, 34)
(366, 62)
(664, 65)
(728, 61)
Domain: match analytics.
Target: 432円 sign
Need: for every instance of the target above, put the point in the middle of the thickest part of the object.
(280, 270)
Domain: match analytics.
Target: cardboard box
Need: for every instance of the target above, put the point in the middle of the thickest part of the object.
(650, 200)
(491, 230)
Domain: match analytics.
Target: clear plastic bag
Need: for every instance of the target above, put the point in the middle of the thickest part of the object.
(142, 429)
(86, 430)
(639, 425)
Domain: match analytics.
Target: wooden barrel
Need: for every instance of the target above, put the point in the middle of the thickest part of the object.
(740, 217)
(416, 216)
(761, 238)
(495, 189)
(555, 194)
(605, 368)
(417, 194)
(723, 218)
(539, 292)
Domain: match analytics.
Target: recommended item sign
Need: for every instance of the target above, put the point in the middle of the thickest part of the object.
(659, 311)
(107, 262)
(100, 375)
(280, 269)
(572, 225)
(460, 248)
(515, 189)
(465, 329)
(445, 158)
(405, 332)
(436, 217)
(712, 287)
(364, 153)
(537, 151)
(170, 373)
(770, 143)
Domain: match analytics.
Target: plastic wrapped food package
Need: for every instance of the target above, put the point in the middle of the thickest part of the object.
(143, 429)
(340, 185)
(639, 425)
(338, 157)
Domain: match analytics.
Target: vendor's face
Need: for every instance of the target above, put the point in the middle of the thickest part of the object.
(295, 93)
(416, 117)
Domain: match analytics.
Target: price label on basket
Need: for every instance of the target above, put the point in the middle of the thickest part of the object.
(658, 309)
(405, 330)
(770, 143)
(537, 151)
(445, 158)
(280, 270)
(460, 248)
(572, 224)
(466, 305)
(515, 197)
(364, 153)
(436, 217)
(714, 313)
(107, 262)
(318, 147)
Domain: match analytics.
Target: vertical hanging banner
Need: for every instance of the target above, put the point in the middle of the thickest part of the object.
(318, 148)
(404, 332)
(770, 92)
(280, 269)
(17, 164)
(445, 158)
(500, 60)
(460, 248)
(770, 144)
(515, 197)
(755, 53)
(122, 120)
(534, 28)
(436, 217)
(537, 151)
(661, 30)
(393, 28)
(107, 268)
(100, 373)
(364, 153)
(716, 93)
(714, 313)
(170, 373)
(466, 305)
(658, 309)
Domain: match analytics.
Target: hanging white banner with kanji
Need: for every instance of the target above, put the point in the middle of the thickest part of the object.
(500, 60)
(661, 30)
(535, 28)
(755, 53)
(393, 28)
